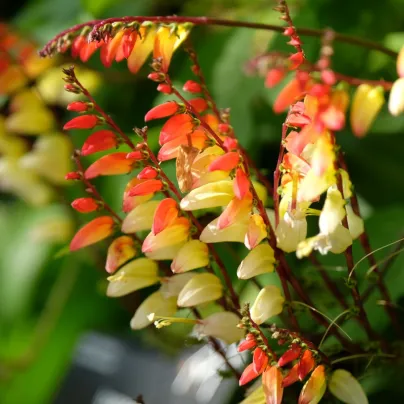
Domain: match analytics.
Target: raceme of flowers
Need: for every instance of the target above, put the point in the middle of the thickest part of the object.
(160, 240)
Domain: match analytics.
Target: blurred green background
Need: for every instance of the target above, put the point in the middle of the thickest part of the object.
(48, 298)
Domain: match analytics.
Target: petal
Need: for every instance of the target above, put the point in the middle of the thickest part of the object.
(237, 209)
(268, 303)
(172, 285)
(256, 231)
(99, 141)
(306, 364)
(272, 383)
(248, 374)
(346, 388)
(227, 162)
(142, 48)
(234, 233)
(161, 111)
(314, 388)
(165, 215)
(176, 126)
(241, 184)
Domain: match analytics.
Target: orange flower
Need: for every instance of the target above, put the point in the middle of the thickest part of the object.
(146, 187)
(249, 374)
(142, 47)
(82, 122)
(110, 49)
(305, 365)
(236, 209)
(165, 215)
(163, 110)
(99, 141)
(92, 232)
(85, 205)
(176, 126)
(241, 184)
(274, 76)
(111, 164)
(227, 162)
(260, 360)
(122, 249)
(272, 382)
(314, 388)
(288, 95)
(290, 355)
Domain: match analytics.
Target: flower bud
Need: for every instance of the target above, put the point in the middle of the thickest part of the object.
(135, 275)
(314, 388)
(99, 141)
(199, 104)
(259, 260)
(148, 173)
(248, 374)
(247, 344)
(396, 98)
(291, 377)
(202, 288)
(221, 325)
(290, 355)
(226, 162)
(268, 303)
(82, 122)
(92, 232)
(274, 76)
(272, 383)
(193, 254)
(164, 88)
(260, 360)
(161, 111)
(210, 195)
(157, 304)
(346, 388)
(121, 250)
(192, 87)
(78, 106)
(73, 176)
(305, 364)
(333, 211)
(366, 104)
(85, 205)
(110, 164)
(256, 231)
(146, 187)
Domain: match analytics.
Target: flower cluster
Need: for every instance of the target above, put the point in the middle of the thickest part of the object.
(163, 241)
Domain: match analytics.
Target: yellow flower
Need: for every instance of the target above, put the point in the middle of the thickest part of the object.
(193, 254)
(346, 388)
(202, 288)
(259, 260)
(396, 98)
(268, 303)
(172, 285)
(291, 230)
(140, 218)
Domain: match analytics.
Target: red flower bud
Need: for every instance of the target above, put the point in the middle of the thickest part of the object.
(199, 104)
(230, 143)
(296, 59)
(289, 31)
(146, 188)
(128, 42)
(164, 88)
(305, 365)
(157, 77)
(161, 111)
(192, 87)
(249, 343)
(98, 141)
(78, 106)
(241, 184)
(82, 122)
(148, 173)
(274, 76)
(290, 355)
(226, 162)
(85, 205)
(291, 377)
(328, 77)
(295, 42)
(71, 88)
(260, 360)
(73, 176)
(248, 375)
(135, 155)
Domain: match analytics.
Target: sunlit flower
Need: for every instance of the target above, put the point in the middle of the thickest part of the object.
(268, 303)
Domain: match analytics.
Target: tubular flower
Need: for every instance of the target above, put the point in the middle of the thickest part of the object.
(305, 364)
(222, 325)
(163, 110)
(366, 105)
(247, 344)
(259, 260)
(256, 231)
(314, 388)
(140, 218)
(165, 215)
(396, 97)
(82, 122)
(131, 202)
(111, 164)
(193, 254)
(233, 233)
(227, 162)
(268, 303)
(99, 141)
(272, 383)
(260, 360)
(85, 205)
(94, 231)
(290, 355)
(236, 210)
(291, 230)
(135, 275)
(202, 288)
(346, 388)
(154, 304)
(121, 250)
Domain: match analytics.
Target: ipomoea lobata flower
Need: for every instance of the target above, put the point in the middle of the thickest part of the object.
(355, 223)
(222, 325)
(314, 388)
(333, 211)
(346, 388)
(233, 233)
(202, 288)
(157, 304)
(291, 230)
(259, 260)
(272, 383)
(135, 275)
(121, 250)
(268, 303)
(366, 104)
(396, 97)
(210, 195)
(256, 231)
(140, 218)
(193, 254)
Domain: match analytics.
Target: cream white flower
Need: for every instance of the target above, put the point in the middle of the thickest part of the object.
(268, 303)
(260, 260)
(346, 388)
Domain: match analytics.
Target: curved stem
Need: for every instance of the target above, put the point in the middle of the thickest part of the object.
(96, 24)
